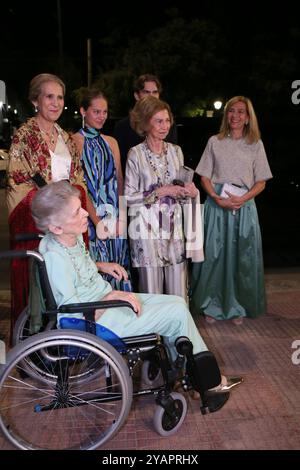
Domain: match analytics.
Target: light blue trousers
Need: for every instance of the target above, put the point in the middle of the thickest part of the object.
(167, 315)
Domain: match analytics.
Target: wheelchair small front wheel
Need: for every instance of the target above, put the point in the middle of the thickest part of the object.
(151, 374)
(167, 423)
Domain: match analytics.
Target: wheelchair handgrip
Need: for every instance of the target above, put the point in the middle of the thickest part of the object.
(87, 306)
(27, 237)
(14, 254)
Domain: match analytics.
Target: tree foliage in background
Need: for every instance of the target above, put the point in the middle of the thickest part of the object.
(182, 53)
(201, 53)
(199, 61)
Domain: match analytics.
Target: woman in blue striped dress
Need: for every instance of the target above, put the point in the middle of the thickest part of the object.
(100, 158)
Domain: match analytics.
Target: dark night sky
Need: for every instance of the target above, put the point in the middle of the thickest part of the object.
(29, 39)
(31, 28)
(29, 33)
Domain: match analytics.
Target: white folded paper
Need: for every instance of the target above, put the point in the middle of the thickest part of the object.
(232, 189)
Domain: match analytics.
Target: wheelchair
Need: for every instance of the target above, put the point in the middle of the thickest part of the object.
(72, 388)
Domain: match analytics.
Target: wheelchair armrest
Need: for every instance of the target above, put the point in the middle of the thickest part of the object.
(22, 254)
(13, 254)
(86, 307)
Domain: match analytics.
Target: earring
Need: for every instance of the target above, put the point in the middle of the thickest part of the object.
(83, 123)
(246, 123)
(36, 109)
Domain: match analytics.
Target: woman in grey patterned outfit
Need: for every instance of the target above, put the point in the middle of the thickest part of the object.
(156, 231)
(229, 284)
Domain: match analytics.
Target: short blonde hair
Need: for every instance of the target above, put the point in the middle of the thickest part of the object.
(144, 110)
(251, 131)
(35, 86)
(49, 204)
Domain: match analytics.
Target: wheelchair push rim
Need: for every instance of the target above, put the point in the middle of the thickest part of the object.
(37, 368)
(53, 415)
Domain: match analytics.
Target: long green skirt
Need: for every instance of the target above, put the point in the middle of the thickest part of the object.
(230, 281)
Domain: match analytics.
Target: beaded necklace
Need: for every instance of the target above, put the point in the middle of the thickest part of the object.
(73, 256)
(159, 164)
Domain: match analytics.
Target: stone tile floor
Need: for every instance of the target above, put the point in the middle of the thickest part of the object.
(263, 413)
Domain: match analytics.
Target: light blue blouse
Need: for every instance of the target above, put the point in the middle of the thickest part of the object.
(63, 267)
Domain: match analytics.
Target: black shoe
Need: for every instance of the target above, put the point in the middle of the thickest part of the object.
(214, 403)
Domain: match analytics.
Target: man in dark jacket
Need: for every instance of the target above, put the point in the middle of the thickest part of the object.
(144, 85)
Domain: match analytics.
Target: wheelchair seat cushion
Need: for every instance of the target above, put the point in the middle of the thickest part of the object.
(92, 327)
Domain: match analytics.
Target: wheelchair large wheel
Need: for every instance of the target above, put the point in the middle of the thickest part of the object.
(167, 423)
(21, 328)
(61, 414)
(36, 365)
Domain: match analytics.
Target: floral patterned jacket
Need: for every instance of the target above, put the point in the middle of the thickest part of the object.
(28, 155)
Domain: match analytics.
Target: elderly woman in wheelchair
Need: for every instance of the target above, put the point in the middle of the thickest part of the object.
(74, 368)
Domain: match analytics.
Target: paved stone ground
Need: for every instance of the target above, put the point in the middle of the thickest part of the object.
(263, 413)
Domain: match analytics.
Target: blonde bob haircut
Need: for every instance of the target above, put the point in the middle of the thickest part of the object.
(143, 112)
(251, 131)
(35, 86)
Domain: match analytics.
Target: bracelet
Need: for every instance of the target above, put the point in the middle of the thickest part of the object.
(152, 198)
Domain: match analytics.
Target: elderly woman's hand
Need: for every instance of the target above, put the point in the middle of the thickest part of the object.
(190, 190)
(171, 190)
(127, 297)
(113, 269)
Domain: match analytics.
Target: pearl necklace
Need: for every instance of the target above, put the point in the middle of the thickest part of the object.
(73, 255)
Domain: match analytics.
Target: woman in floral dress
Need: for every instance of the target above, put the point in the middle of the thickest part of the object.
(41, 152)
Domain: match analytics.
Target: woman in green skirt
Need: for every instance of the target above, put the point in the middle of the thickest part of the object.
(229, 284)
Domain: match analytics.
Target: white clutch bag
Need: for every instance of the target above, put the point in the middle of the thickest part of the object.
(232, 189)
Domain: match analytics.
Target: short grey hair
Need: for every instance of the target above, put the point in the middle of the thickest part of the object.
(48, 205)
